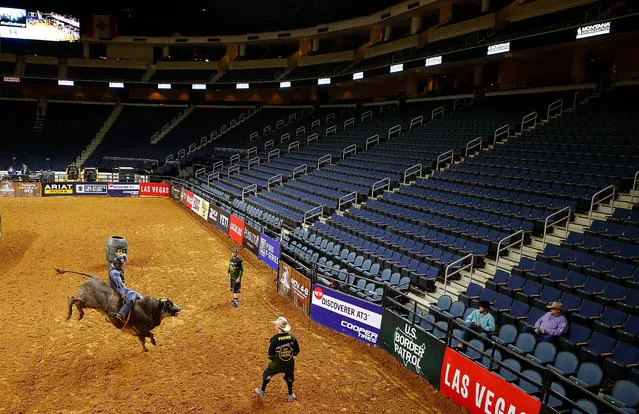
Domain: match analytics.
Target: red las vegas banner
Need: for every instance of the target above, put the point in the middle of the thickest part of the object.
(155, 189)
(481, 391)
(189, 199)
(236, 229)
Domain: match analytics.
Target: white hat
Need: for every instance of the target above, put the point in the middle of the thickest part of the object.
(282, 323)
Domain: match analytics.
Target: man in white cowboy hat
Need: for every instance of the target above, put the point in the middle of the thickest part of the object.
(551, 325)
(282, 350)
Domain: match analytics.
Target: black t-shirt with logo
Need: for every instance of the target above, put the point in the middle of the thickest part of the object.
(236, 267)
(282, 349)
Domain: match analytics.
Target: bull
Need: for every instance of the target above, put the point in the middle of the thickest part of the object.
(146, 314)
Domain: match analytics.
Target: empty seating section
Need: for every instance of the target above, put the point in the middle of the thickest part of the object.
(182, 75)
(33, 70)
(317, 71)
(104, 73)
(248, 75)
(130, 135)
(7, 68)
(66, 129)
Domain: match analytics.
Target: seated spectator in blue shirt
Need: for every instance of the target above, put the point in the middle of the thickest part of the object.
(479, 320)
(551, 325)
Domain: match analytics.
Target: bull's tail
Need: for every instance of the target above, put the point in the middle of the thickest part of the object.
(61, 272)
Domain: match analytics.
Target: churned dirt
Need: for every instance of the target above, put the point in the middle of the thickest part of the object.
(208, 360)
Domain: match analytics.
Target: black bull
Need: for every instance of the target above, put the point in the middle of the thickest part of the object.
(146, 314)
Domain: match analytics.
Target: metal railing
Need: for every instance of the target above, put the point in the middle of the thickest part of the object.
(448, 273)
(274, 179)
(448, 155)
(324, 159)
(192, 147)
(439, 111)
(279, 124)
(349, 122)
(181, 153)
(348, 198)
(293, 117)
(300, 130)
(555, 108)
(269, 144)
(273, 154)
(234, 159)
(383, 183)
(293, 146)
(580, 94)
(506, 246)
(527, 120)
(169, 158)
(312, 213)
(251, 188)
(252, 151)
(302, 169)
(351, 149)
(548, 224)
(395, 130)
(212, 176)
(418, 120)
(330, 117)
(415, 170)
(285, 137)
(213, 136)
(254, 136)
(330, 130)
(253, 161)
(204, 140)
(267, 130)
(217, 165)
(372, 140)
(634, 188)
(315, 124)
(606, 194)
(501, 131)
(311, 138)
(477, 142)
(367, 115)
(200, 171)
(233, 169)
(459, 102)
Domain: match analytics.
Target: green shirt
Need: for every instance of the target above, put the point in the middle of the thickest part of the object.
(236, 267)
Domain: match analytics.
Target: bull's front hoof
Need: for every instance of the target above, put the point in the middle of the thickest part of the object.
(145, 350)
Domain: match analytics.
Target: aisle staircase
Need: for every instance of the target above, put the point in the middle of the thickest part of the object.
(97, 140)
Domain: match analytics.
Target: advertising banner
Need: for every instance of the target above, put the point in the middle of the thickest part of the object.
(223, 221)
(155, 189)
(251, 239)
(214, 215)
(176, 191)
(58, 189)
(188, 201)
(183, 195)
(83, 189)
(6, 189)
(204, 209)
(346, 314)
(269, 251)
(26, 189)
(123, 189)
(417, 350)
(236, 229)
(195, 204)
(295, 286)
(470, 385)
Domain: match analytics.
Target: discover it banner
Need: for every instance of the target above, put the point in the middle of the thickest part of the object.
(58, 189)
(91, 189)
(123, 189)
(346, 314)
(417, 350)
(236, 229)
(479, 390)
(269, 251)
(295, 286)
(155, 190)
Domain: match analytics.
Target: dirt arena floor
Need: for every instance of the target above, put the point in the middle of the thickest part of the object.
(208, 360)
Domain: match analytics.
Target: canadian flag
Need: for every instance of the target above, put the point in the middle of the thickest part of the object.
(102, 25)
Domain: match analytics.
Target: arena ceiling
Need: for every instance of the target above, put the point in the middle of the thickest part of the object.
(207, 17)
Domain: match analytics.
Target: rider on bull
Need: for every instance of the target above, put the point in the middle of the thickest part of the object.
(116, 281)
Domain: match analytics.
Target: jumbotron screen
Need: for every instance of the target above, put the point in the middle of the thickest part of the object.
(38, 25)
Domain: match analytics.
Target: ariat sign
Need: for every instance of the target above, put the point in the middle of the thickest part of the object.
(480, 391)
(593, 30)
(57, 189)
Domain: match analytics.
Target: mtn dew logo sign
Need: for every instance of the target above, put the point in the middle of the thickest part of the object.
(416, 349)
(406, 345)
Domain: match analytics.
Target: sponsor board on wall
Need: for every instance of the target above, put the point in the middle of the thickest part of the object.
(155, 190)
(269, 251)
(295, 286)
(183, 195)
(204, 209)
(346, 314)
(251, 238)
(91, 189)
(214, 214)
(195, 204)
(6, 189)
(470, 385)
(236, 229)
(58, 189)
(417, 350)
(176, 191)
(123, 189)
(188, 200)
(27, 189)
(223, 221)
